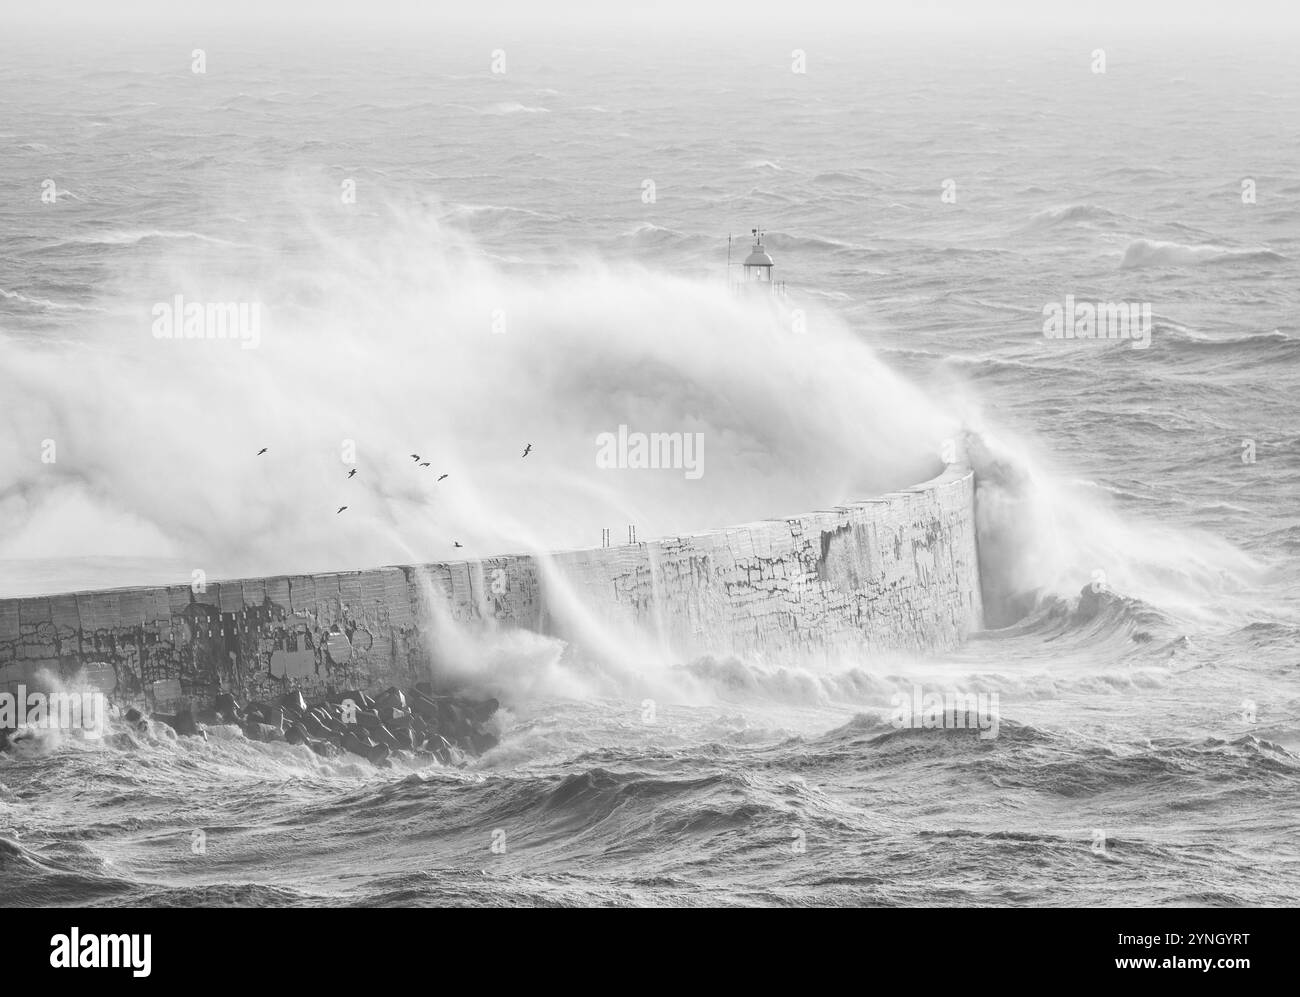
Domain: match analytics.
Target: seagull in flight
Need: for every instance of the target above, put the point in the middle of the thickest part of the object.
(341, 508)
(262, 451)
(457, 543)
(424, 463)
(415, 457)
(352, 472)
(441, 476)
(528, 449)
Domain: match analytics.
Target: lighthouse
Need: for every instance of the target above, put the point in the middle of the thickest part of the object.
(756, 270)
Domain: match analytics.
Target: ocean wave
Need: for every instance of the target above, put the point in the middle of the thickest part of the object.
(220, 895)
(1153, 253)
(836, 176)
(46, 303)
(1197, 765)
(1250, 341)
(512, 107)
(789, 243)
(34, 878)
(887, 745)
(494, 212)
(1076, 214)
(652, 233)
(249, 99)
(760, 193)
(734, 679)
(129, 237)
(1274, 635)
(1097, 615)
(1137, 172)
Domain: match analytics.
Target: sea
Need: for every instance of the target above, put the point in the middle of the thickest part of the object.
(452, 244)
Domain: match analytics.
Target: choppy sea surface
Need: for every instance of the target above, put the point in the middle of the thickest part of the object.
(387, 203)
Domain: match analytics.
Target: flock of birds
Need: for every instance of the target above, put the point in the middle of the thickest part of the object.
(418, 463)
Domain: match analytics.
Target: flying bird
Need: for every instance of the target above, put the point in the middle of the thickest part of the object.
(528, 449)
(424, 463)
(441, 476)
(415, 457)
(352, 472)
(341, 508)
(262, 451)
(457, 543)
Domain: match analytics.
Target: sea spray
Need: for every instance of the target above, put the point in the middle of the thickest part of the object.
(384, 346)
(1042, 534)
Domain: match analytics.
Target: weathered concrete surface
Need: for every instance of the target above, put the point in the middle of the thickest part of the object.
(899, 572)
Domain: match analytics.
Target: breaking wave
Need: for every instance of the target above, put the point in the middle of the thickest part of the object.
(1149, 253)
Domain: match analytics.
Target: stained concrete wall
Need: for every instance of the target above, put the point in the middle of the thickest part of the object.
(896, 573)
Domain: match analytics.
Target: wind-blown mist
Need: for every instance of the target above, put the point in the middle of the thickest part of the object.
(396, 334)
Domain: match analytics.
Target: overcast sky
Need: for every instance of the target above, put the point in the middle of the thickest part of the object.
(1264, 17)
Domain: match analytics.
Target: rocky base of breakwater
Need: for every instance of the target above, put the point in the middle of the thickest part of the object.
(397, 722)
(412, 721)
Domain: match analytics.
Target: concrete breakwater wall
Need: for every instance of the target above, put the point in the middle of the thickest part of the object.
(895, 573)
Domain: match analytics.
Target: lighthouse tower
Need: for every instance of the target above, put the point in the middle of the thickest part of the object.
(756, 270)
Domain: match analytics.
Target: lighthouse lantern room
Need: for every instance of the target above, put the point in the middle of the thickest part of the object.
(756, 270)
